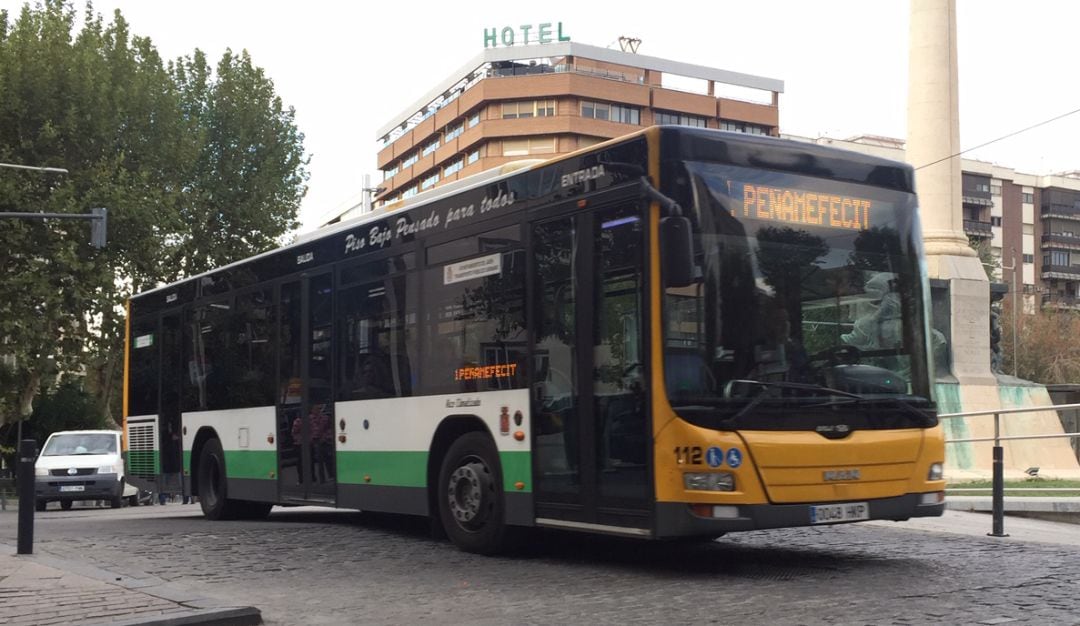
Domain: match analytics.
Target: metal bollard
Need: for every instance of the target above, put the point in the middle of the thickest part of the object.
(27, 456)
(998, 494)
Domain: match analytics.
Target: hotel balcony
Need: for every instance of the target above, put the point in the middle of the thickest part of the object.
(1065, 272)
(1060, 241)
(976, 228)
(1054, 301)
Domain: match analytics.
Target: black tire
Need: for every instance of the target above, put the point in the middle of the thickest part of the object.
(39, 505)
(66, 504)
(213, 494)
(133, 500)
(117, 501)
(470, 495)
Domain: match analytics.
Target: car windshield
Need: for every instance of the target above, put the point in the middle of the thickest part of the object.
(80, 444)
(806, 290)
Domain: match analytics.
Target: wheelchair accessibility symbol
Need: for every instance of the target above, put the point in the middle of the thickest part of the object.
(734, 458)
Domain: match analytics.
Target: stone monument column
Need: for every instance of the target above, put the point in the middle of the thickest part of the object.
(934, 137)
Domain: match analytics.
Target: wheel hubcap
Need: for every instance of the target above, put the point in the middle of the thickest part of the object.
(466, 493)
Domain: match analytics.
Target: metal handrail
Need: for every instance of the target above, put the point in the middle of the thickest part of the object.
(998, 488)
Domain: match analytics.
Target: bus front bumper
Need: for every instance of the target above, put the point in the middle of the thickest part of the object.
(680, 520)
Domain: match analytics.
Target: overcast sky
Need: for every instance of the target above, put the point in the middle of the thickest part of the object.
(349, 68)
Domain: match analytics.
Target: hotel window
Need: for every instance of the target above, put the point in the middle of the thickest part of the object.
(612, 112)
(410, 160)
(529, 108)
(410, 192)
(1058, 257)
(995, 220)
(454, 130)
(532, 145)
(390, 173)
(744, 127)
(995, 190)
(680, 119)
(1029, 198)
(431, 147)
(474, 119)
(429, 182)
(474, 156)
(454, 167)
(1029, 258)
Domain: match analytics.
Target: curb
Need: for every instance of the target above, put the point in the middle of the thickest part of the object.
(197, 609)
(244, 616)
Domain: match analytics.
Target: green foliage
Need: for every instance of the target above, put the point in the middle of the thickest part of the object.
(198, 168)
(68, 407)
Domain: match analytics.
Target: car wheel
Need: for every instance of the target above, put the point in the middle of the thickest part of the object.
(133, 500)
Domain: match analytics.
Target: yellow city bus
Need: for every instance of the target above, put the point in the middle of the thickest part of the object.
(681, 332)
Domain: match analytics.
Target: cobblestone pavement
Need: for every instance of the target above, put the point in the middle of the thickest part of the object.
(310, 566)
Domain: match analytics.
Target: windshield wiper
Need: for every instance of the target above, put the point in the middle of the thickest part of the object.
(780, 384)
(900, 403)
(783, 384)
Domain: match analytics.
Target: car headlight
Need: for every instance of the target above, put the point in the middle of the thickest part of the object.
(41, 471)
(937, 471)
(709, 481)
(111, 469)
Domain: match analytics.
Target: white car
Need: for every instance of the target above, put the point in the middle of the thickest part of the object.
(81, 465)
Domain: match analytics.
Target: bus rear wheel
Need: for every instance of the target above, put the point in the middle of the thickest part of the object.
(470, 495)
(213, 496)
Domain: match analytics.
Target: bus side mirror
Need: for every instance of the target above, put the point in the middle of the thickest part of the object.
(676, 251)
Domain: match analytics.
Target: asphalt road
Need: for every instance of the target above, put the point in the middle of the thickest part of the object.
(319, 566)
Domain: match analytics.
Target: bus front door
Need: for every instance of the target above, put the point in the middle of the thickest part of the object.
(306, 453)
(590, 426)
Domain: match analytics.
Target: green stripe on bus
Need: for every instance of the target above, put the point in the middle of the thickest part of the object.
(251, 464)
(409, 469)
(516, 466)
(392, 469)
(187, 462)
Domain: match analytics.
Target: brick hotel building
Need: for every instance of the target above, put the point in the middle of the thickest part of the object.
(540, 101)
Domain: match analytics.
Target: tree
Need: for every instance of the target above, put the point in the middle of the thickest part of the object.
(1044, 353)
(197, 168)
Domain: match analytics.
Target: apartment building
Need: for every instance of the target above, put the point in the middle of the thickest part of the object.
(1030, 223)
(540, 101)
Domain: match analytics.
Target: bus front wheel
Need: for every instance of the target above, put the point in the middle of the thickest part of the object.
(470, 495)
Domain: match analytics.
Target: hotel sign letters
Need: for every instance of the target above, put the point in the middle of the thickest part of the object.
(524, 34)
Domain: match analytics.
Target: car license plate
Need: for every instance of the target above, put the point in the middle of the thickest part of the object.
(72, 487)
(833, 513)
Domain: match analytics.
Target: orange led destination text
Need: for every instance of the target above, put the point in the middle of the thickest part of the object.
(805, 207)
(485, 371)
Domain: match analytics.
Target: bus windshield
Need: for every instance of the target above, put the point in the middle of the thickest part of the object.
(807, 294)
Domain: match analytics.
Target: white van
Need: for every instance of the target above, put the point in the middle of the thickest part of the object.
(81, 465)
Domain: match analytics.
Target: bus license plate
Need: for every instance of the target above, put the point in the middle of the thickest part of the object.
(71, 488)
(833, 513)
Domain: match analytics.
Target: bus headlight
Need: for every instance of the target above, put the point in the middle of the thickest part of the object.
(937, 471)
(709, 481)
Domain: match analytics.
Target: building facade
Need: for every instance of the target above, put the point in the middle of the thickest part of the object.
(541, 101)
(1029, 223)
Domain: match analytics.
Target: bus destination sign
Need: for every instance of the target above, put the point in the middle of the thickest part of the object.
(797, 206)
